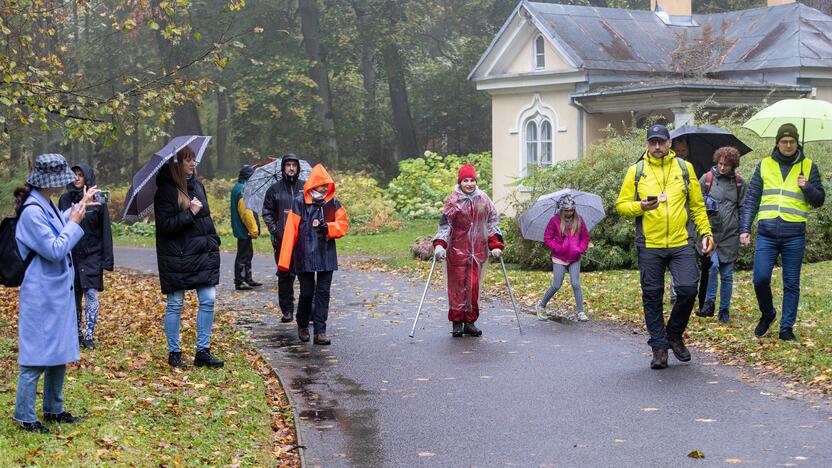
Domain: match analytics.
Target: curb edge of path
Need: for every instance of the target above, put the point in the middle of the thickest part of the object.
(299, 438)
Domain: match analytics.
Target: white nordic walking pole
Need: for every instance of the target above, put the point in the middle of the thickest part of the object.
(422, 301)
(511, 293)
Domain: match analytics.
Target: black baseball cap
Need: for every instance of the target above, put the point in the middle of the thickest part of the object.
(658, 131)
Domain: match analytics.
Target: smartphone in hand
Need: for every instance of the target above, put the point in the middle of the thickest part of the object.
(101, 197)
(652, 198)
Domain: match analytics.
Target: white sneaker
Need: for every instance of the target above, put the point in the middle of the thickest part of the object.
(582, 317)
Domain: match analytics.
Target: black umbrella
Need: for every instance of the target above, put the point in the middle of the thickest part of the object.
(703, 141)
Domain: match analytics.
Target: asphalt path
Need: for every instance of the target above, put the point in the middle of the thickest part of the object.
(561, 394)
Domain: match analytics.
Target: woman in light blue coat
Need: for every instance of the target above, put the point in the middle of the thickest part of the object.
(47, 328)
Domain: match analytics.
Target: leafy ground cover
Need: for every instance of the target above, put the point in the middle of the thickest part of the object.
(138, 411)
(615, 296)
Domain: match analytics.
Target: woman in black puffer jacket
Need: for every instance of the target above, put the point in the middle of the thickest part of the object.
(91, 255)
(188, 253)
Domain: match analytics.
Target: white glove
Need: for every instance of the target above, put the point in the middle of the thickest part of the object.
(439, 252)
(496, 253)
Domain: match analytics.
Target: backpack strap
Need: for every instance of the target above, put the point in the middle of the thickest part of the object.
(738, 183)
(639, 173)
(709, 181)
(685, 176)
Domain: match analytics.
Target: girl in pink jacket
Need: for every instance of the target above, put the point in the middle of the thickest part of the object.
(567, 236)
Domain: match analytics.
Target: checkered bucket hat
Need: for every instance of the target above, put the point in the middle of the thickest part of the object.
(51, 170)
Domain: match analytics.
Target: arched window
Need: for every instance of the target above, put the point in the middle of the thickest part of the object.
(539, 53)
(538, 143)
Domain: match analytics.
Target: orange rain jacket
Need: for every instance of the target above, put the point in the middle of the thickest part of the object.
(313, 249)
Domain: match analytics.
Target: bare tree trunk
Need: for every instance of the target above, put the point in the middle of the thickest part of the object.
(371, 123)
(402, 119)
(311, 29)
(222, 131)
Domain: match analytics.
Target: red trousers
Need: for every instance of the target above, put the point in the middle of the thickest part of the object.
(464, 291)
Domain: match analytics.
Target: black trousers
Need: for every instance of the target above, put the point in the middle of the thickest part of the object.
(242, 262)
(313, 301)
(652, 264)
(285, 284)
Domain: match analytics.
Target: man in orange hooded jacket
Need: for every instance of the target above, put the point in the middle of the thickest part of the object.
(314, 222)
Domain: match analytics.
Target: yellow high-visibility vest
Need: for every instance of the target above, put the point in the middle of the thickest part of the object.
(783, 198)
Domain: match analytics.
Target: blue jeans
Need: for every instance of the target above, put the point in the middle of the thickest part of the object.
(726, 276)
(27, 386)
(204, 317)
(765, 255)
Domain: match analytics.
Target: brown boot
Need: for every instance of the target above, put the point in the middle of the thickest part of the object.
(677, 344)
(321, 339)
(659, 359)
(303, 334)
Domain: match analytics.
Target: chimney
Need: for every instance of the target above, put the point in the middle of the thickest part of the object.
(779, 2)
(681, 7)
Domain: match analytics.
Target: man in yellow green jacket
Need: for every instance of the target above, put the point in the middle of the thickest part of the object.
(659, 191)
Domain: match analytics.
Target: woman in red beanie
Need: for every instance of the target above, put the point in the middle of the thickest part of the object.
(467, 233)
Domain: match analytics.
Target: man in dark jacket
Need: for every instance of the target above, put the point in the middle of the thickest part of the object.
(91, 255)
(245, 226)
(276, 206)
(780, 196)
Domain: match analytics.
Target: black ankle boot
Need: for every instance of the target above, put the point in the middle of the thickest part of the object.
(287, 316)
(456, 331)
(724, 316)
(471, 330)
(35, 427)
(175, 359)
(65, 417)
(250, 281)
(205, 358)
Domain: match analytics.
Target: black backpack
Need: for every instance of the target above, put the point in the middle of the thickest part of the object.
(13, 266)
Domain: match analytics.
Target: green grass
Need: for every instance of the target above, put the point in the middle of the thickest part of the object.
(393, 244)
(137, 410)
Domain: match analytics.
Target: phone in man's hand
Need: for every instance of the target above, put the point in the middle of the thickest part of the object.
(101, 197)
(652, 198)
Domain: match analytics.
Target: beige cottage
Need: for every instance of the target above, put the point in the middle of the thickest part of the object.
(560, 74)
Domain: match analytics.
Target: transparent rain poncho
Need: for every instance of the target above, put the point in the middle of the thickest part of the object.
(468, 223)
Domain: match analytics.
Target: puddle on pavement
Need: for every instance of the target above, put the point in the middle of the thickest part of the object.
(325, 414)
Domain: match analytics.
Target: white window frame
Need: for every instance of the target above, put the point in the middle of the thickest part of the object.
(534, 150)
(536, 110)
(539, 53)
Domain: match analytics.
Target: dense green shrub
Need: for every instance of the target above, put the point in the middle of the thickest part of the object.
(602, 170)
(368, 207)
(420, 189)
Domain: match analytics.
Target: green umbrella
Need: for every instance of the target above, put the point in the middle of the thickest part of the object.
(812, 116)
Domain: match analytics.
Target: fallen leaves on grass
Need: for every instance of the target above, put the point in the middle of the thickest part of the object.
(137, 408)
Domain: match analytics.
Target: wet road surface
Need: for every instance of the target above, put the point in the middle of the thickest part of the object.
(562, 394)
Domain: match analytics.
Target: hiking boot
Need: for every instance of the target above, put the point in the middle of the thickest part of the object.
(322, 339)
(659, 359)
(205, 358)
(787, 335)
(457, 329)
(724, 316)
(287, 317)
(762, 326)
(175, 360)
(242, 287)
(582, 317)
(677, 344)
(253, 283)
(65, 417)
(88, 343)
(471, 330)
(707, 309)
(303, 334)
(35, 427)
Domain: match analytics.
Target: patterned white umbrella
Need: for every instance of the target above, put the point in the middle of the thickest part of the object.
(533, 221)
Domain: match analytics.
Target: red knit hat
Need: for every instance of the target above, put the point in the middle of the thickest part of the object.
(465, 172)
